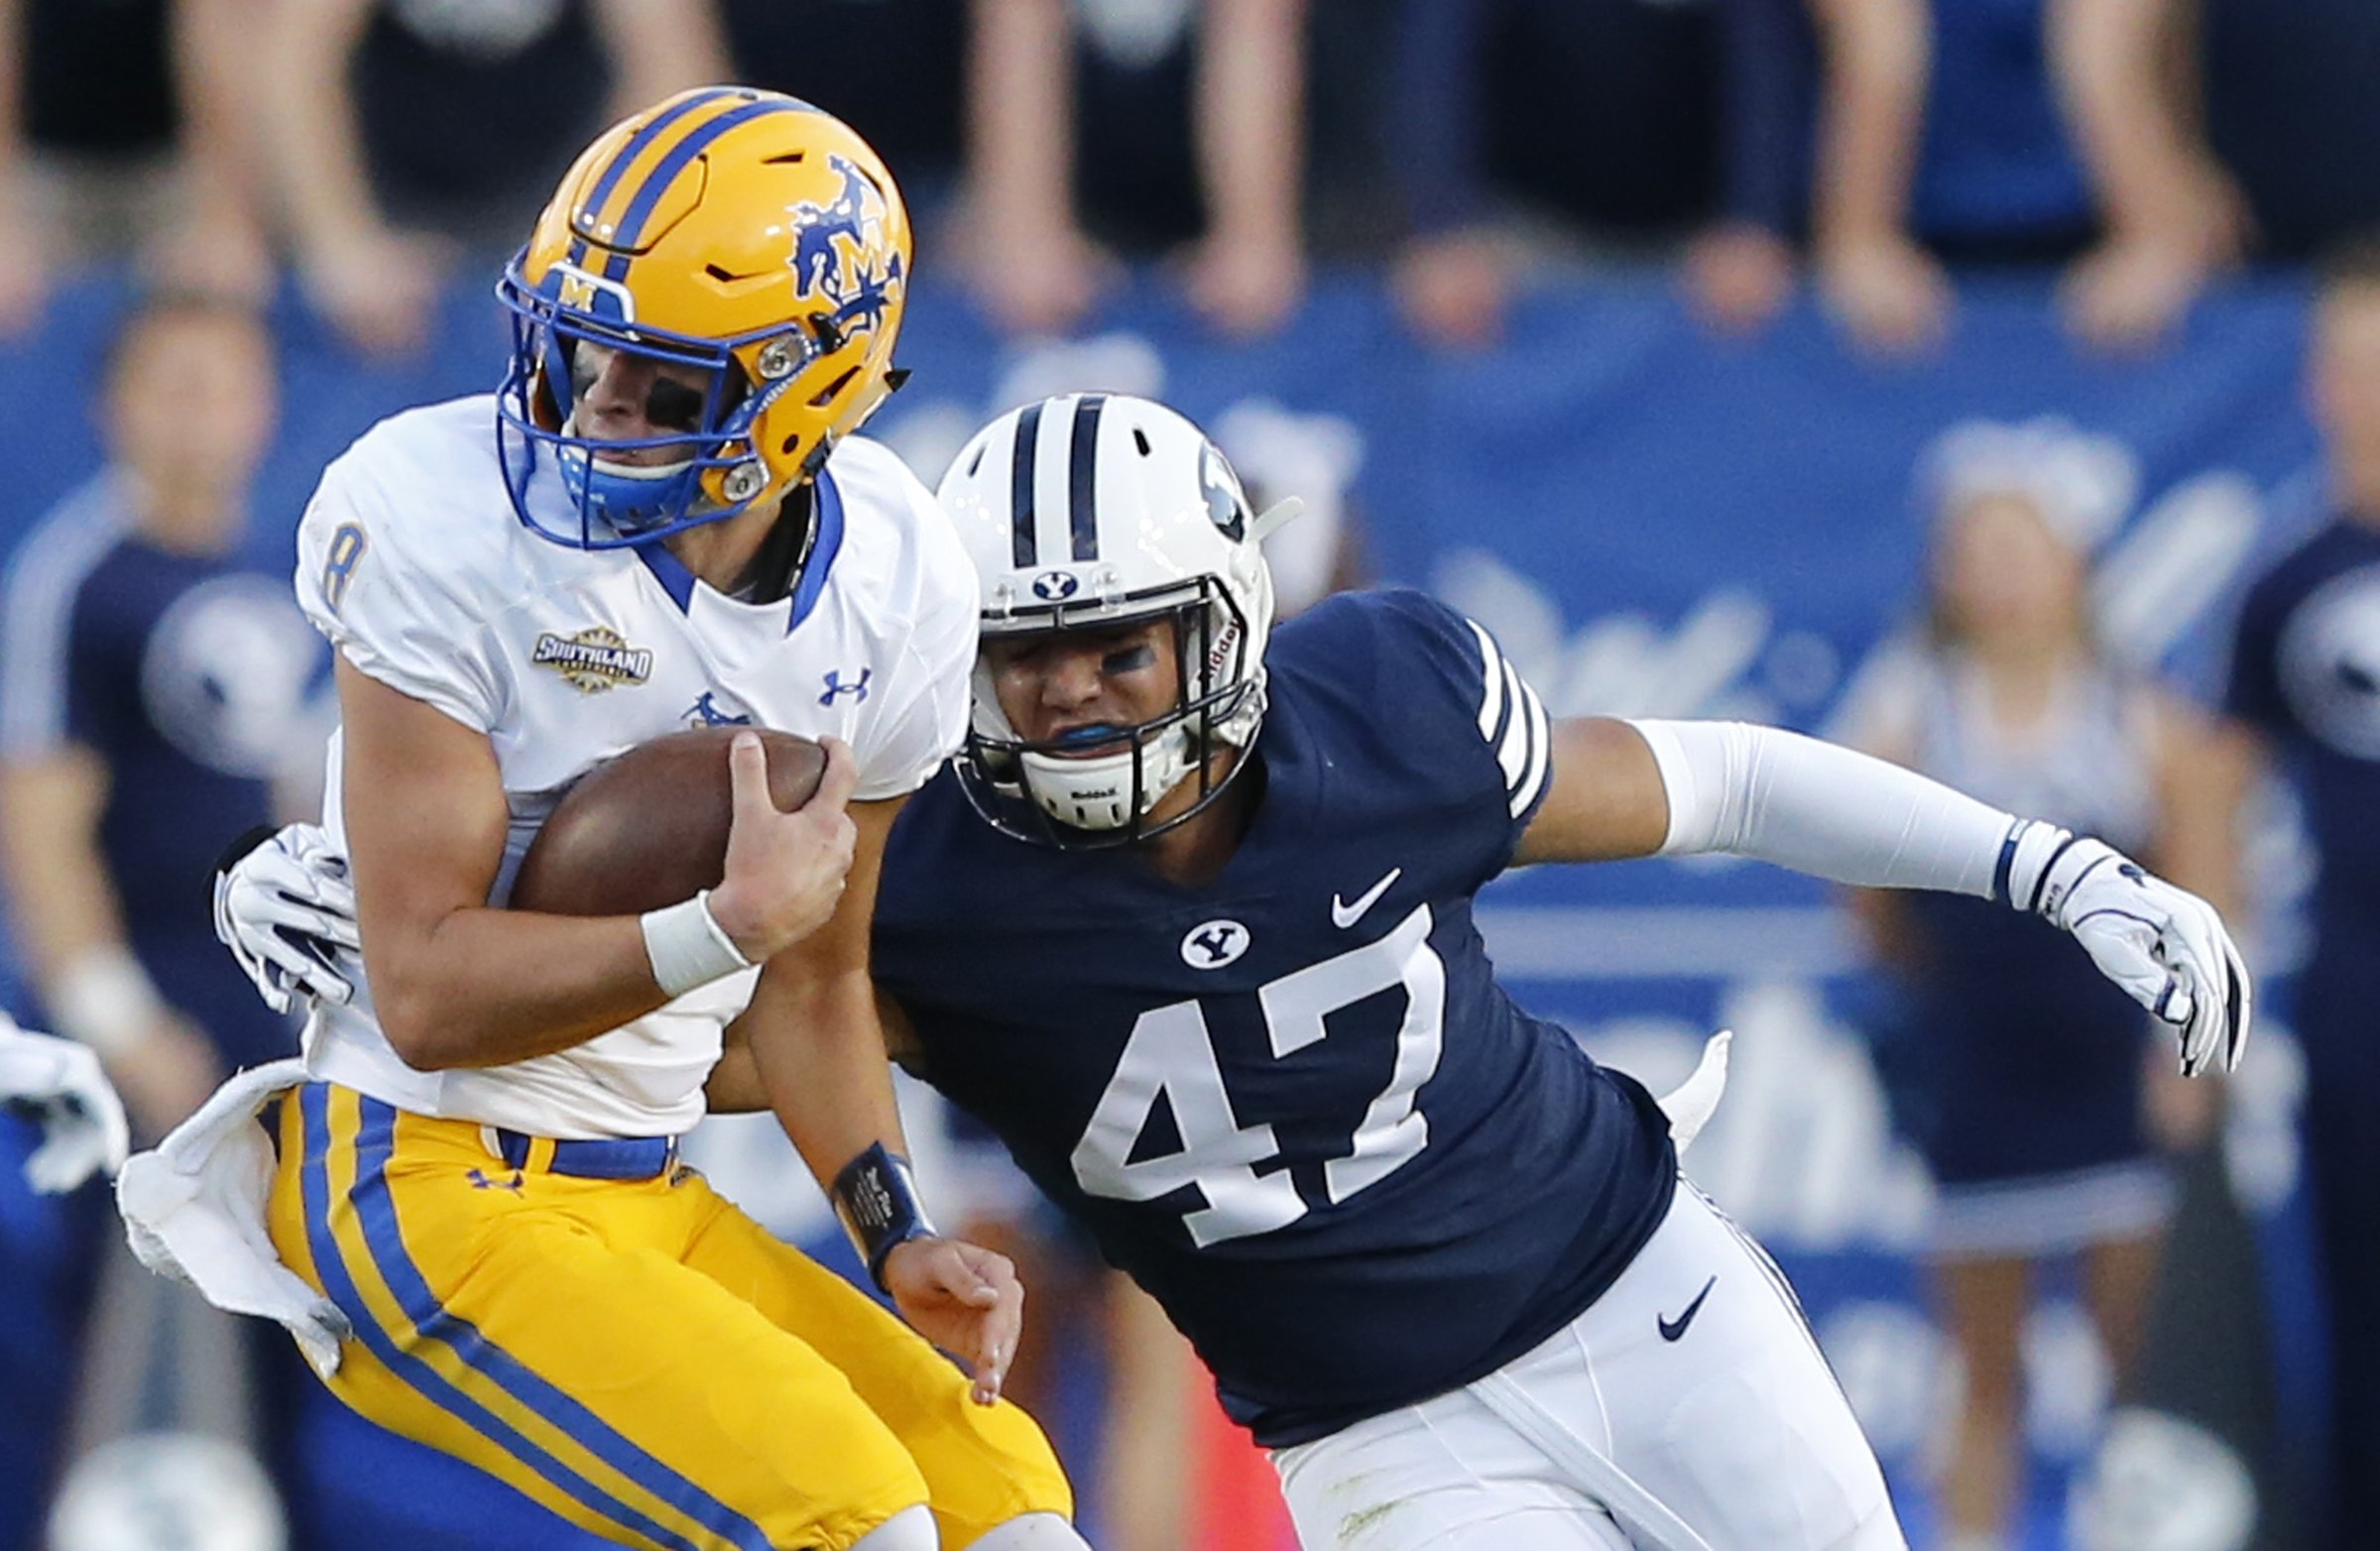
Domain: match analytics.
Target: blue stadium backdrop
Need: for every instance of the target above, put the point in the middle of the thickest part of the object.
(1652, 522)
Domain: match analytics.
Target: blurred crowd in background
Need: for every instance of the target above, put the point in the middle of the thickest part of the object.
(158, 695)
(2143, 146)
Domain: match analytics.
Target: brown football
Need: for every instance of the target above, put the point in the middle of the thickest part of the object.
(649, 828)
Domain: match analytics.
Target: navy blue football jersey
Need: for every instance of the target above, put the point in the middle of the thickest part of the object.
(1293, 1103)
(2306, 672)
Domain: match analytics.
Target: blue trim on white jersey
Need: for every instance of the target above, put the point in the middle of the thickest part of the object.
(822, 553)
(678, 583)
(669, 571)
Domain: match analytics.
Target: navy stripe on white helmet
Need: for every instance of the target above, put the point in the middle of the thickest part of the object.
(1089, 510)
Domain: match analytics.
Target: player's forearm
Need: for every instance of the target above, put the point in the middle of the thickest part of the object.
(1823, 810)
(485, 987)
(733, 1086)
(820, 1054)
(814, 1027)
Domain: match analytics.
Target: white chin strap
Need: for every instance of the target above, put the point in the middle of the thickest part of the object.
(648, 472)
(1095, 793)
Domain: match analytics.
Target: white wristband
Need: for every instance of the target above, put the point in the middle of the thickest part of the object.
(2022, 880)
(687, 947)
(104, 999)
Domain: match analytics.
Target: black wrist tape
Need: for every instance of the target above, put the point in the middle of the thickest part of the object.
(875, 1196)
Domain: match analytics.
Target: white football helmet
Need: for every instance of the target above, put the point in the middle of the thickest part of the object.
(1095, 510)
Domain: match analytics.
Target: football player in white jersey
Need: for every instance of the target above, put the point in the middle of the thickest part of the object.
(1438, 1259)
(660, 520)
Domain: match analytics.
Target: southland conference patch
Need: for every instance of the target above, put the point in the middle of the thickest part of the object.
(594, 660)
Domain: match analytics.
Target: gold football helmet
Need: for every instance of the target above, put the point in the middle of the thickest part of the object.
(740, 232)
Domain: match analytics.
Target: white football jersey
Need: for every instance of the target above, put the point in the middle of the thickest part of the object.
(412, 563)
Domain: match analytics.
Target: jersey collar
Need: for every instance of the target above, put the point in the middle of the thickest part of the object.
(679, 583)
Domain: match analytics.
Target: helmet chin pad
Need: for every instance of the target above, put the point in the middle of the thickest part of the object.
(630, 497)
(1097, 791)
(1058, 792)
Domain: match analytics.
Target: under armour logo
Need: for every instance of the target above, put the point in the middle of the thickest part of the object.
(1055, 586)
(836, 688)
(1212, 944)
(480, 1181)
(706, 712)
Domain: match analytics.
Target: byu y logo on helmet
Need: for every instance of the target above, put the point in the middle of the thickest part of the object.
(1140, 493)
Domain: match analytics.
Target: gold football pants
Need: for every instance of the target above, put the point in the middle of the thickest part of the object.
(637, 1355)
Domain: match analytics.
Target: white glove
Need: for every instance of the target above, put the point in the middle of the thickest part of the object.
(2164, 945)
(194, 1211)
(287, 912)
(59, 1083)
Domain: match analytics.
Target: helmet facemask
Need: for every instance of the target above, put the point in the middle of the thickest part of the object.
(1049, 791)
(714, 473)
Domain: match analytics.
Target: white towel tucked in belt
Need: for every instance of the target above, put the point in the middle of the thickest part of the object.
(194, 1210)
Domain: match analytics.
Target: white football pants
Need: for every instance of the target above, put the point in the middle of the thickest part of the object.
(1614, 1436)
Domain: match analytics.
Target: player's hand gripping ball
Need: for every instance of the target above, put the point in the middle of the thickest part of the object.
(649, 828)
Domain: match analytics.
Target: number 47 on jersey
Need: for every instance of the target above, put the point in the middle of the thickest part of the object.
(1171, 1052)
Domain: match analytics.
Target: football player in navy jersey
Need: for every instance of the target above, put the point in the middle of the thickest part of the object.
(1189, 923)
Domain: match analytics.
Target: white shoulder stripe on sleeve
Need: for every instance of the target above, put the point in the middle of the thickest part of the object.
(1541, 739)
(52, 562)
(1512, 720)
(1512, 747)
(1491, 702)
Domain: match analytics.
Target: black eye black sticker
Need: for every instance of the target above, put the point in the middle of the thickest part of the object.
(1130, 660)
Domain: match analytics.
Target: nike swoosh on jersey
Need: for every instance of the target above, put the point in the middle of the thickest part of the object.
(1671, 1330)
(1346, 915)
